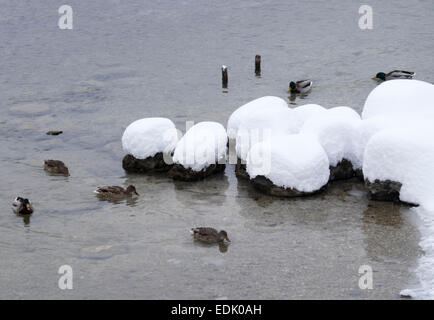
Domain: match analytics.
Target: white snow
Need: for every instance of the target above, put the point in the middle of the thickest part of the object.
(308, 111)
(405, 155)
(146, 137)
(258, 107)
(397, 98)
(202, 145)
(260, 125)
(290, 161)
(396, 137)
(337, 130)
(425, 269)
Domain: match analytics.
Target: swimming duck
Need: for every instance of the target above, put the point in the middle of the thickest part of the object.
(115, 192)
(301, 86)
(209, 235)
(56, 167)
(22, 206)
(395, 74)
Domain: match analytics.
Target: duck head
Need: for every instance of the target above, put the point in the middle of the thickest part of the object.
(22, 206)
(224, 236)
(132, 189)
(292, 86)
(380, 76)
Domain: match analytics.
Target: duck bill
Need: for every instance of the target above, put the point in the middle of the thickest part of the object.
(289, 90)
(227, 239)
(136, 193)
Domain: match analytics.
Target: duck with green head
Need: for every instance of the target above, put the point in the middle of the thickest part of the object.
(301, 86)
(395, 74)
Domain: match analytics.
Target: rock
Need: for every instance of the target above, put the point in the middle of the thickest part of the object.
(265, 185)
(54, 132)
(155, 163)
(178, 172)
(386, 190)
(343, 170)
(240, 170)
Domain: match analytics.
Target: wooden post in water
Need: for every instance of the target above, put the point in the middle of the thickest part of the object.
(224, 76)
(258, 65)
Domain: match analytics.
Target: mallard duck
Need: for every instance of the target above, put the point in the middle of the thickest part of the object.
(395, 74)
(209, 235)
(56, 167)
(301, 86)
(115, 192)
(22, 206)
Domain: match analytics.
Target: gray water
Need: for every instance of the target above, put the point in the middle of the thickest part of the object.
(126, 60)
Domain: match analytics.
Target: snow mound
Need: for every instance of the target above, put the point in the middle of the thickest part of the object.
(405, 155)
(400, 98)
(290, 161)
(337, 130)
(258, 107)
(261, 125)
(202, 145)
(308, 111)
(146, 137)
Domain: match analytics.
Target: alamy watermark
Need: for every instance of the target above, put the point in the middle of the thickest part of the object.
(66, 279)
(65, 21)
(366, 280)
(366, 21)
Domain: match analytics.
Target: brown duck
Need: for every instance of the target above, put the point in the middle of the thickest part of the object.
(210, 235)
(115, 192)
(56, 167)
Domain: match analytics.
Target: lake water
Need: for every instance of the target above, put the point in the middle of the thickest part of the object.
(129, 60)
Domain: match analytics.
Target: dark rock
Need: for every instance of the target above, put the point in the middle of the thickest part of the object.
(265, 185)
(150, 164)
(386, 190)
(359, 174)
(54, 132)
(343, 170)
(240, 170)
(178, 172)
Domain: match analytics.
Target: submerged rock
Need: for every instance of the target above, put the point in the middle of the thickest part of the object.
(54, 132)
(265, 185)
(155, 163)
(178, 172)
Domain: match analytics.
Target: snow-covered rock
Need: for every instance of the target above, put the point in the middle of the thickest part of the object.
(400, 98)
(337, 130)
(146, 137)
(404, 156)
(308, 111)
(254, 110)
(200, 152)
(262, 124)
(288, 165)
(149, 143)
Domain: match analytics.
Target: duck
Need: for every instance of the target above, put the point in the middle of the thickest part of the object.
(210, 235)
(22, 206)
(301, 86)
(56, 167)
(395, 74)
(115, 192)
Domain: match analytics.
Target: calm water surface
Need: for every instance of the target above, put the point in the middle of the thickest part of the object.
(128, 60)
